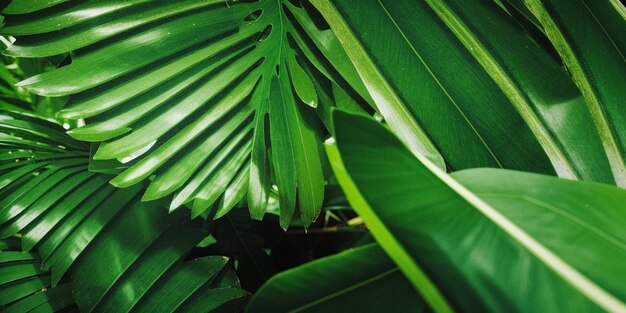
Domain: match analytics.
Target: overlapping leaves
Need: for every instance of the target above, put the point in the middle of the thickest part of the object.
(24, 287)
(196, 92)
(484, 98)
(211, 99)
(363, 279)
(485, 239)
(78, 224)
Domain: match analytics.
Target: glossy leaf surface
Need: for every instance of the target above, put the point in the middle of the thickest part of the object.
(25, 287)
(483, 97)
(122, 254)
(197, 92)
(509, 241)
(594, 55)
(362, 279)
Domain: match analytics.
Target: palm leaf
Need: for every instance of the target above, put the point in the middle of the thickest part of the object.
(484, 239)
(25, 287)
(16, 98)
(151, 269)
(192, 90)
(362, 279)
(79, 224)
(484, 98)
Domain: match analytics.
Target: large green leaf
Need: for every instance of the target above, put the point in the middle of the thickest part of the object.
(363, 279)
(485, 239)
(122, 254)
(483, 97)
(150, 275)
(192, 90)
(594, 55)
(25, 287)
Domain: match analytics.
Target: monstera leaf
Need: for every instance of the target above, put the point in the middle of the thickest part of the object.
(485, 240)
(79, 224)
(197, 92)
(484, 98)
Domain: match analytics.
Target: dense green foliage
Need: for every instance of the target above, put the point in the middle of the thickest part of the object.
(312, 156)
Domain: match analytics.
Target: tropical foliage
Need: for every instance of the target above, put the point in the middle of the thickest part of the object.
(312, 155)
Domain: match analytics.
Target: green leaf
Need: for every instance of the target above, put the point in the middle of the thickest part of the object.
(594, 55)
(25, 287)
(151, 272)
(362, 279)
(10, 96)
(170, 84)
(79, 224)
(484, 239)
(387, 99)
(483, 98)
(25, 6)
(57, 299)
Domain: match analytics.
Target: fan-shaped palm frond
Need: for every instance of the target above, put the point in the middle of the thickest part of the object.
(477, 238)
(193, 90)
(80, 224)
